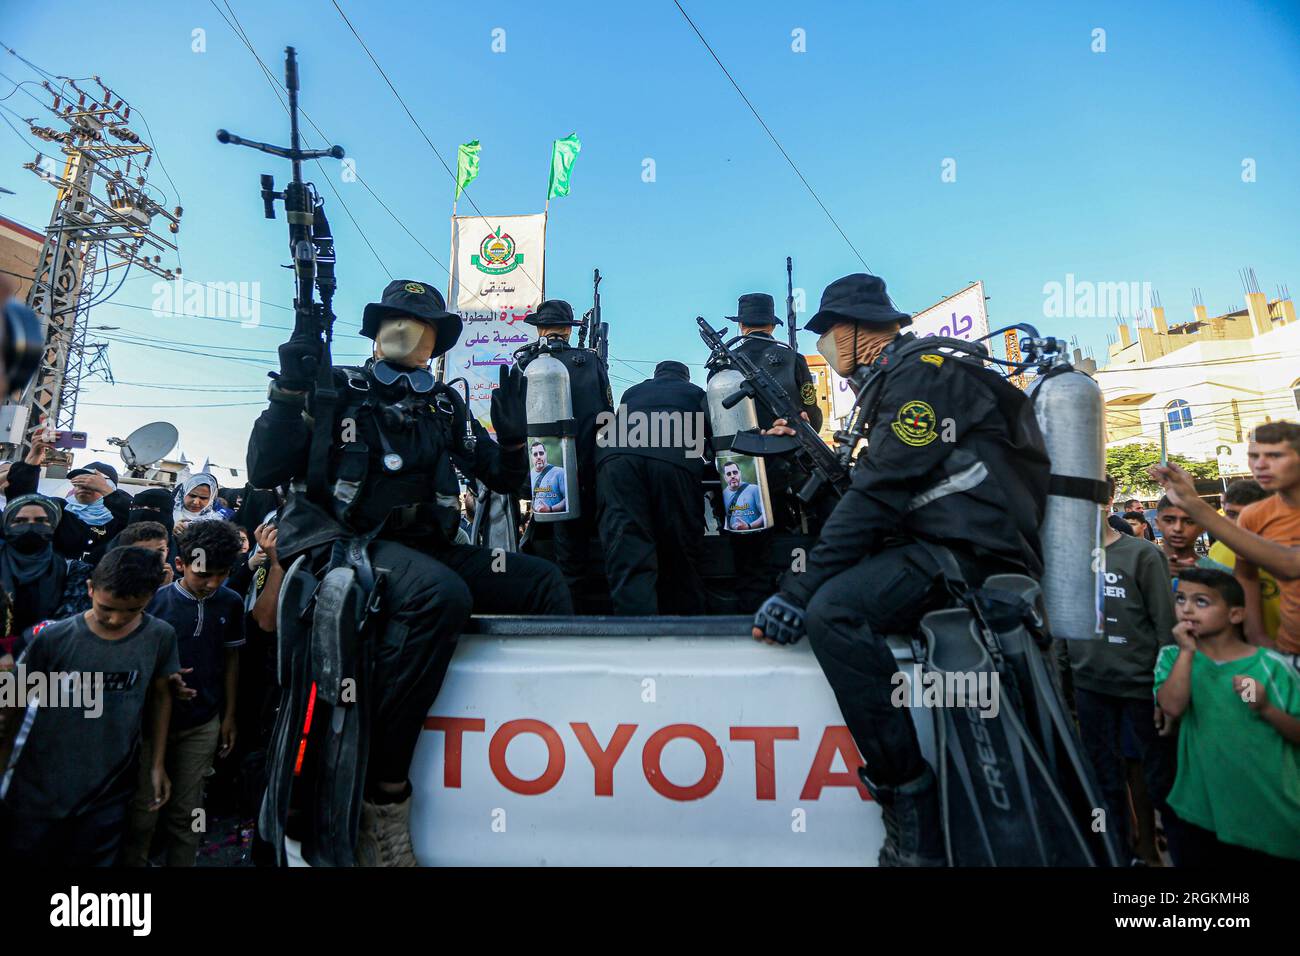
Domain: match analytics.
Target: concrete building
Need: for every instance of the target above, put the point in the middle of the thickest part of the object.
(1208, 381)
(20, 247)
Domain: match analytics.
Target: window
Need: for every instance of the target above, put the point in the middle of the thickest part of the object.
(1179, 415)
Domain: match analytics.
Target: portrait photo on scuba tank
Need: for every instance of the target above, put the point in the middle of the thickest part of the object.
(742, 499)
(546, 476)
(818, 436)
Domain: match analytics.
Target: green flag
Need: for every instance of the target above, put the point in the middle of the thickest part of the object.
(466, 165)
(563, 153)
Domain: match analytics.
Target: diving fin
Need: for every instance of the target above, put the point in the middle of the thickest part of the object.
(1014, 787)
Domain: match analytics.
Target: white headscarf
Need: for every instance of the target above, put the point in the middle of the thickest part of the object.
(181, 513)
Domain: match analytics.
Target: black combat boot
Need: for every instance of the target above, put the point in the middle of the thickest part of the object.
(913, 826)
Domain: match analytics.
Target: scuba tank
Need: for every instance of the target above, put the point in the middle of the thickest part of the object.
(726, 422)
(1070, 412)
(552, 440)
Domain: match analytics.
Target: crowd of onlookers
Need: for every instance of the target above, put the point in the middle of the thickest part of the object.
(1202, 611)
(136, 631)
(166, 601)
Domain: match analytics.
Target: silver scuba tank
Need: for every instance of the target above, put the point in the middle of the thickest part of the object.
(552, 441)
(1071, 415)
(746, 496)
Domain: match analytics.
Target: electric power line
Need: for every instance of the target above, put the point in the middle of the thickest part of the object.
(807, 185)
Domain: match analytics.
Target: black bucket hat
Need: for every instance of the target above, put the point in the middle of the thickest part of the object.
(857, 298)
(406, 297)
(756, 308)
(553, 312)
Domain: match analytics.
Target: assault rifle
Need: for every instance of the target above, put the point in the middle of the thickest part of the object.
(823, 465)
(312, 247)
(593, 327)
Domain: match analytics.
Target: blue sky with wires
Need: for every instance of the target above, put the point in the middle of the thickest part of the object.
(1122, 166)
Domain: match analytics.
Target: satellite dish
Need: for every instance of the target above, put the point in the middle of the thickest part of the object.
(148, 444)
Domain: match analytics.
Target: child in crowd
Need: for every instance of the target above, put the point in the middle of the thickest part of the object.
(209, 623)
(1237, 791)
(73, 766)
(1274, 456)
(153, 536)
(1179, 532)
(1112, 679)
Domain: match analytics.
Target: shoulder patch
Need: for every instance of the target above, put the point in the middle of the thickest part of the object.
(808, 393)
(915, 424)
(933, 358)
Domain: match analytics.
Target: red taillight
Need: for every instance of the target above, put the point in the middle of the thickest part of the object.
(306, 730)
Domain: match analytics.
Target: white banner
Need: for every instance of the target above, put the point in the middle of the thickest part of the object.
(960, 316)
(497, 269)
(650, 751)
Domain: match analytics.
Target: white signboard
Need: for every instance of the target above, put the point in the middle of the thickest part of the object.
(603, 751)
(842, 397)
(960, 316)
(496, 281)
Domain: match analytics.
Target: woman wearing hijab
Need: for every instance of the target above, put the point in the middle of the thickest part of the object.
(195, 500)
(40, 583)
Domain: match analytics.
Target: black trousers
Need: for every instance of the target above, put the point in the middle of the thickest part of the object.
(573, 551)
(849, 618)
(429, 599)
(1101, 718)
(651, 519)
(92, 836)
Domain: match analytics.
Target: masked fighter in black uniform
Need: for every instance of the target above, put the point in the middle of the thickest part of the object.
(940, 467)
(591, 394)
(753, 553)
(398, 438)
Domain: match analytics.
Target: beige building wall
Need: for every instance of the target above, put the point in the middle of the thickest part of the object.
(1229, 385)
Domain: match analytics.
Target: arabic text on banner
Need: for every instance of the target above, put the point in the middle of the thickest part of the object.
(496, 282)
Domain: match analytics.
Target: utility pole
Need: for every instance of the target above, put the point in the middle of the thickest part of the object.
(101, 228)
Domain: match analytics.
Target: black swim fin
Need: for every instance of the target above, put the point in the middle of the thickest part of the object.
(1015, 787)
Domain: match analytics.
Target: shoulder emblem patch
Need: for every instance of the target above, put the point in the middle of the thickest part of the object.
(933, 359)
(915, 424)
(808, 393)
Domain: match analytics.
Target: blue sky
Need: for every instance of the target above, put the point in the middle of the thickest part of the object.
(1122, 166)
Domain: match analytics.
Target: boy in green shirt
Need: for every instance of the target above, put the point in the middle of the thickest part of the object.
(1238, 786)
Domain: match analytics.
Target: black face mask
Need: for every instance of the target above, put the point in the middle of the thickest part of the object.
(31, 538)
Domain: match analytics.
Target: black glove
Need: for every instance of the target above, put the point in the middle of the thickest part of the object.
(509, 415)
(780, 620)
(299, 358)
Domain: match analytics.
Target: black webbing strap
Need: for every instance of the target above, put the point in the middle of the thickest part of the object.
(564, 428)
(1085, 489)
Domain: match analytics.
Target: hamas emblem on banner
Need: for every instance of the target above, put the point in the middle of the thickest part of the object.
(496, 255)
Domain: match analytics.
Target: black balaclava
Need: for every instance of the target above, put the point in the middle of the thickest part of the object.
(153, 504)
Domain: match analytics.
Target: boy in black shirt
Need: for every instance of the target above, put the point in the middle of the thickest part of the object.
(209, 623)
(72, 770)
